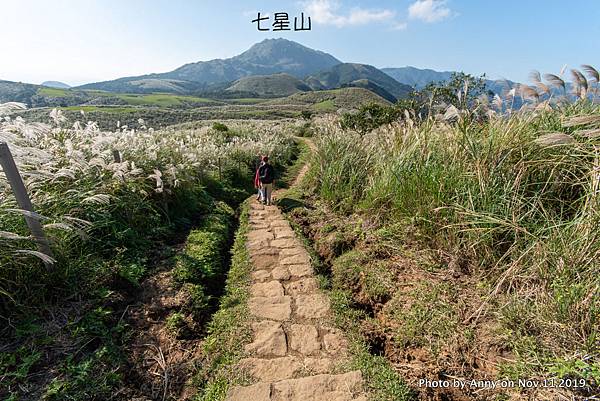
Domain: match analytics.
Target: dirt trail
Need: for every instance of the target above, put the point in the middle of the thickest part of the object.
(304, 168)
(296, 353)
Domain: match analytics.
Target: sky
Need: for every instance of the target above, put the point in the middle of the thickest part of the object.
(81, 41)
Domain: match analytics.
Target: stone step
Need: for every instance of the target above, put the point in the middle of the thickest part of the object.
(325, 387)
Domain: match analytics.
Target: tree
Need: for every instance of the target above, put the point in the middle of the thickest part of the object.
(370, 116)
(460, 91)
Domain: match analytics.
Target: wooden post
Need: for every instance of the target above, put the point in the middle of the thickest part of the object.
(117, 156)
(16, 182)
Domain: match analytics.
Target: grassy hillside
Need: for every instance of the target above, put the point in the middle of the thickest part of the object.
(133, 99)
(331, 100)
(373, 87)
(246, 91)
(163, 100)
(41, 96)
(469, 246)
(107, 117)
(136, 110)
(145, 84)
(276, 85)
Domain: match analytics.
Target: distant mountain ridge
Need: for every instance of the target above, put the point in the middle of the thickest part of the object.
(56, 84)
(271, 68)
(361, 75)
(264, 61)
(419, 78)
(271, 56)
(415, 77)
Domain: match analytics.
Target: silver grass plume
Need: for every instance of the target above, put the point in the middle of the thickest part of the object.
(591, 72)
(556, 81)
(554, 139)
(529, 92)
(580, 86)
(7, 108)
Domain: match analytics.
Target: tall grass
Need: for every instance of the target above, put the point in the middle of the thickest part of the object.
(98, 209)
(517, 195)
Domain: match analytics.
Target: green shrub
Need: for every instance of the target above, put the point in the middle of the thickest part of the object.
(306, 114)
(370, 116)
(217, 126)
(199, 302)
(304, 130)
(132, 271)
(347, 270)
(229, 329)
(176, 323)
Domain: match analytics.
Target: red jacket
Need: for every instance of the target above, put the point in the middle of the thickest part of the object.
(256, 179)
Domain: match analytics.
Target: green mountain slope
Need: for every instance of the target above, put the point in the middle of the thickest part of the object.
(347, 73)
(331, 100)
(373, 87)
(17, 92)
(276, 85)
(40, 96)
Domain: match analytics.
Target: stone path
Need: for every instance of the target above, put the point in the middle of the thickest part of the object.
(295, 350)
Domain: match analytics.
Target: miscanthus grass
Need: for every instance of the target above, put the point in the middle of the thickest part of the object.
(514, 193)
(101, 193)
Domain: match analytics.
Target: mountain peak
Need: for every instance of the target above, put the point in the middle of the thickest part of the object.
(270, 56)
(279, 49)
(276, 40)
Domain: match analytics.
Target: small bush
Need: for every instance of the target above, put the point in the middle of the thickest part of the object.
(202, 261)
(370, 116)
(347, 271)
(306, 114)
(304, 130)
(217, 126)
(176, 324)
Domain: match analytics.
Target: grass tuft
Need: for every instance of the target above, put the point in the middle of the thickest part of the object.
(229, 328)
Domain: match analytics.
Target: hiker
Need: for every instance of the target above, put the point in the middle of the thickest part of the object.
(266, 176)
(257, 181)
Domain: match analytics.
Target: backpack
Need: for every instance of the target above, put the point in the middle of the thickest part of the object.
(266, 173)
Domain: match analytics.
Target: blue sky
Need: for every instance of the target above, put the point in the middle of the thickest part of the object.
(85, 41)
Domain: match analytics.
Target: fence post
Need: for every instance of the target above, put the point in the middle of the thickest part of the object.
(16, 182)
(117, 156)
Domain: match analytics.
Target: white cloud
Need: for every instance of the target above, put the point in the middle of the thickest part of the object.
(399, 26)
(429, 10)
(327, 12)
